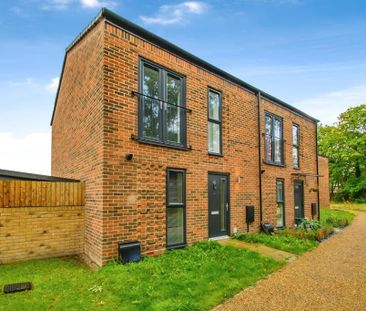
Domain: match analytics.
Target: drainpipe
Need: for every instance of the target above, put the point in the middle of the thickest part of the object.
(317, 169)
(260, 157)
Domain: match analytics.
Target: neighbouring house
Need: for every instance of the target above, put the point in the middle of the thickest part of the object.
(171, 148)
(324, 190)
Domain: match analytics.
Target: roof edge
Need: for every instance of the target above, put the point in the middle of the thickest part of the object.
(151, 37)
(94, 21)
(30, 176)
(142, 32)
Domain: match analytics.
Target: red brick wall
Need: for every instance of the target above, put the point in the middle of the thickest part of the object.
(307, 131)
(133, 202)
(77, 131)
(135, 191)
(324, 181)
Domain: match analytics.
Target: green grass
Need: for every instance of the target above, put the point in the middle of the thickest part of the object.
(349, 206)
(286, 243)
(196, 278)
(335, 218)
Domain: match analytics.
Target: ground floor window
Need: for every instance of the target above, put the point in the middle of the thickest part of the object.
(280, 198)
(176, 203)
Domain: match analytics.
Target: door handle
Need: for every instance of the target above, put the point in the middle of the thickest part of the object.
(227, 207)
(214, 212)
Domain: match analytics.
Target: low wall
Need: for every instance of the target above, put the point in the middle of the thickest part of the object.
(40, 220)
(40, 232)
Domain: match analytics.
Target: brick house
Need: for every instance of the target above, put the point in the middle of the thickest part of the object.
(173, 149)
(324, 190)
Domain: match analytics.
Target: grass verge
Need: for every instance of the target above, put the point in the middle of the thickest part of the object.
(349, 206)
(299, 241)
(280, 241)
(196, 278)
(335, 218)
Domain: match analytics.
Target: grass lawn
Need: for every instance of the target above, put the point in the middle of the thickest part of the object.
(195, 278)
(289, 244)
(349, 206)
(335, 218)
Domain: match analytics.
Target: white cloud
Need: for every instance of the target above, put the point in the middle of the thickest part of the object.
(53, 85)
(96, 3)
(280, 1)
(56, 4)
(175, 14)
(26, 81)
(50, 87)
(30, 153)
(326, 107)
(66, 4)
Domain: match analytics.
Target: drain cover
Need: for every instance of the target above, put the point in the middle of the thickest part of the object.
(17, 287)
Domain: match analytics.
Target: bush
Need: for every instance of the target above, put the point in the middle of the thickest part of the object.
(353, 190)
(313, 235)
(323, 233)
(298, 233)
(361, 200)
(307, 223)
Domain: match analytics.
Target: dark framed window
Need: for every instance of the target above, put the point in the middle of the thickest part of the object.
(176, 208)
(273, 139)
(161, 106)
(295, 146)
(280, 200)
(214, 122)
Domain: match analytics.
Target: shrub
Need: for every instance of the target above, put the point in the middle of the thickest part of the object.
(323, 233)
(298, 233)
(307, 223)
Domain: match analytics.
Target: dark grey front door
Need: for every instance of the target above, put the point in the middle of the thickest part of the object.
(299, 199)
(218, 205)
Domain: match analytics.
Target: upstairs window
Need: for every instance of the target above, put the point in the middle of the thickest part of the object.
(295, 146)
(214, 122)
(161, 110)
(273, 139)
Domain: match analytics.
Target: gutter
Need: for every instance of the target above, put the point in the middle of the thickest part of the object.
(317, 170)
(260, 158)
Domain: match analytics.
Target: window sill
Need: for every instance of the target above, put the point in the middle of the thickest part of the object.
(296, 168)
(273, 163)
(160, 144)
(177, 246)
(216, 154)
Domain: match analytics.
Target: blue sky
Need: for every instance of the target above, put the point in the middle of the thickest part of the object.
(309, 53)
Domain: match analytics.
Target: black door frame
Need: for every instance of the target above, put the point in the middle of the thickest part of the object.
(227, 175)
(297, 181)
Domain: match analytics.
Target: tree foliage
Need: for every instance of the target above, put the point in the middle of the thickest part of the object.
(344, 143)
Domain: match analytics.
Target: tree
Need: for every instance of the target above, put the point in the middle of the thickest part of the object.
(345, 145)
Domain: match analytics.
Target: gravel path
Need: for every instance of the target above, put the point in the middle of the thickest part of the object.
(332, 277)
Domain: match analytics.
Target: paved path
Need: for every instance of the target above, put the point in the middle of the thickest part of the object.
(332, 277)
(260, 248)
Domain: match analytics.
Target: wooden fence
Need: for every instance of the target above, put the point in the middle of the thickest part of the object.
(14, 193)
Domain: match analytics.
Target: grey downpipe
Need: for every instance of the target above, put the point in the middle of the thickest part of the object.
(317, 168)
(260, 158)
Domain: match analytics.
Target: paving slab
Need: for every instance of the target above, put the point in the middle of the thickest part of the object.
(260, 248)
(331, 277)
